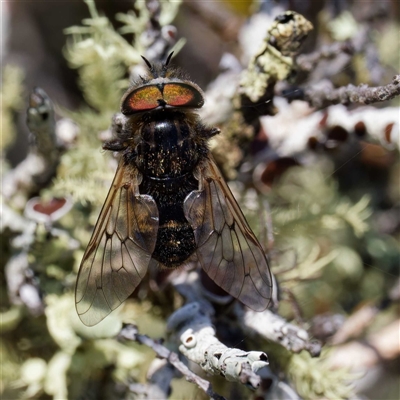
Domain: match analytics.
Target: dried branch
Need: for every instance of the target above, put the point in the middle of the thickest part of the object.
(193, 326)
(192, 320)
(296, 129)
(157, 39)
(238, 98)
(159, 376)
(307, 62)
(356, 324)
(40, 165)
(321, 96)
(340, 52)
(130, 332)
(276, 329)
(199, 344)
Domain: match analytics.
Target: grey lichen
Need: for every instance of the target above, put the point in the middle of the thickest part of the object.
(329, 250)
(274, 61)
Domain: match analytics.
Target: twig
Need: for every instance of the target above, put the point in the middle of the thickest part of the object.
(363, 317)
(40, 165)
(323, 96)
(159, 376)
(346, 49)
(307, 62)
(156, 39)
(195, 317)
(200, 345)
(295, 129)
(130, 332)
(295, 305)
(331, 59)
(193, 326)
(273, 327)
(355, 324)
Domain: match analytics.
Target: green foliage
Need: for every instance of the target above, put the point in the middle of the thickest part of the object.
(322, 239)
(101, 56)
(314, 378)
(318, 231)
(12, 102)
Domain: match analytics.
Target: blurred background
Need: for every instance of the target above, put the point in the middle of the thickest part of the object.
(328, 177)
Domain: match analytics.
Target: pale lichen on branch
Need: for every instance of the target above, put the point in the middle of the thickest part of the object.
(130, 332)
(200, 345)
(331, 246)
(324, 95)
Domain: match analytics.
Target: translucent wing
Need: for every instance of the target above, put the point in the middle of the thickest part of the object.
(228, 250)
(120, 249)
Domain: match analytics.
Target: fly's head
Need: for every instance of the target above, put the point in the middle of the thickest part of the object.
(164, 88)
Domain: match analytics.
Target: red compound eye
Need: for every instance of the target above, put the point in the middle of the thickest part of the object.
(142, 99)
(182, 95)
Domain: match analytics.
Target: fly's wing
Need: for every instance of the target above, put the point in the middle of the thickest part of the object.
(119, 250)
(227, 250)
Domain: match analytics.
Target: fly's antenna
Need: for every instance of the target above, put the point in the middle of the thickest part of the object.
(168, 59)
(165, 65)
(158, 70)
(148, 63)
(153, 71)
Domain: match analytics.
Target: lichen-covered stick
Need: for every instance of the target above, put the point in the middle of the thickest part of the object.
(276, 329)
(322, 96)
(39, 167)
(199, 344)
(130, 332)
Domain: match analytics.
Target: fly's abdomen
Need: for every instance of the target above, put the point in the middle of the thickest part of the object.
(175, 237)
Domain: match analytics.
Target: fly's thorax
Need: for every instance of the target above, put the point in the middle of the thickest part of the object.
(168, 146)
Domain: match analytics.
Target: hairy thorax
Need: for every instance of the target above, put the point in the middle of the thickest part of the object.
(167, 149)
